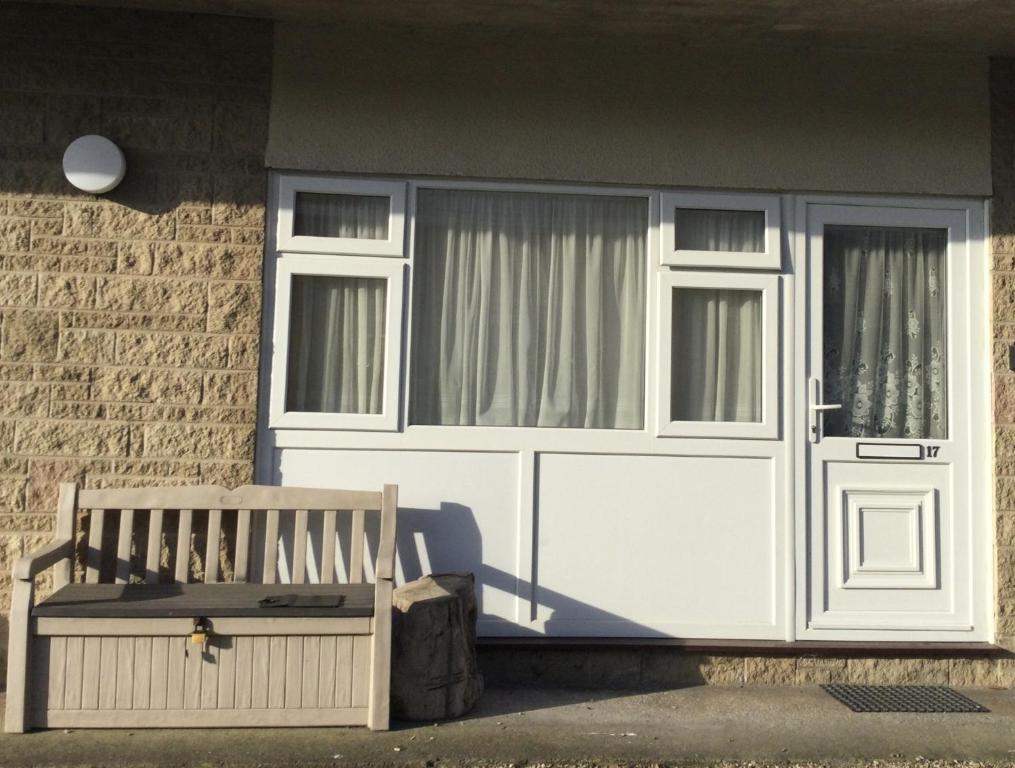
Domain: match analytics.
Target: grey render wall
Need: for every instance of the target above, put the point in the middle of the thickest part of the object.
(517, 106)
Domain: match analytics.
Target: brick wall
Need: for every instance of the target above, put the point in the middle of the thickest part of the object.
(1002, 88)
(128, 322)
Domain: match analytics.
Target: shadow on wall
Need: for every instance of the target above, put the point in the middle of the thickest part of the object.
(448, 539)
(439, 540)
(185, 96)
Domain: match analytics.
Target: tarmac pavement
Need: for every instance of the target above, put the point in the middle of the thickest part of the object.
(523, 726)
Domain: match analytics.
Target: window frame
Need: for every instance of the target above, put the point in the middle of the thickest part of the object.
(395, 191)
(393, 273)
(770, 258)
(769, 287)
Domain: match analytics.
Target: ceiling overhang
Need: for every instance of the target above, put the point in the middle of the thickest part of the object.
(985, 27)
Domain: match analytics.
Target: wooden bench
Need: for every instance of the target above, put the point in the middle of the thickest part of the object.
(117, 650)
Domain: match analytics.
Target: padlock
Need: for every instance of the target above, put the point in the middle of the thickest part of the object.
(201, 632)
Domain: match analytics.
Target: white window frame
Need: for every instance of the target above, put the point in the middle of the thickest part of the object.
(768, 286)
(355, 246)
(770, 258)
(393, 273)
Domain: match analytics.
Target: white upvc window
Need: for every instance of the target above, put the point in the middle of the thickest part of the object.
(337, 342)
(737, 231)
(718, 372)
(319, 214)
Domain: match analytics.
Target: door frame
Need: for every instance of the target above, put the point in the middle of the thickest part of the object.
(980, 498)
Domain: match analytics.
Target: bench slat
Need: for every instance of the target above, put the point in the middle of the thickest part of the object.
(153, 554)
(94, 557)
(299, 569)
(211, 549)
(123, 543)
(328, 547)
(182, 561)
(356, 547)
(241, 569)
(270, 546)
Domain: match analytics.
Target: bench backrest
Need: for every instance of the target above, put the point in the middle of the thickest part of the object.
(176, 519)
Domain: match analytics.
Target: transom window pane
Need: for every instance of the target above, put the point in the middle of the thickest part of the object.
(336, 344)
(885, 334)
(319, 214)
(700, 229)
(716, 356)
(529, 310)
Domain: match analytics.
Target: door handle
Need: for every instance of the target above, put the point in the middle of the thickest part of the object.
(816, 409)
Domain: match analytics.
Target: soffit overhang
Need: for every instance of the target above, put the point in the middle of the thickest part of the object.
(945, 27)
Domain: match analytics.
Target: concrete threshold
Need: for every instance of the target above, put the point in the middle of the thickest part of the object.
(525, 726)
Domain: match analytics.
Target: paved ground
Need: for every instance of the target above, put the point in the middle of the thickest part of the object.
(525, 726)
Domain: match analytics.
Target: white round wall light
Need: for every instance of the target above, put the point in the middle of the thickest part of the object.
(94, 164)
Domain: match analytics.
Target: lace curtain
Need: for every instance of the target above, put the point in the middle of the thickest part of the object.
(528, 310)
(318, 214)
(716, 355)
(885, 332)
(336, 344)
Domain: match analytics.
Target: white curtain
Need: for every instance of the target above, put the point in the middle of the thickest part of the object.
(529, 310)
(702, 229)
(884, 332)
(336, 344)
(330, 215)
(716, 360)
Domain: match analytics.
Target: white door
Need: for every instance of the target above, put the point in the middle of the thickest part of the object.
(890, 424)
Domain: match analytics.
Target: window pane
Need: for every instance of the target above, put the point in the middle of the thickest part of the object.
(363, 217)
(529, 310)
(336, 344)
(699, 229)
(885, 337)
(716, 355)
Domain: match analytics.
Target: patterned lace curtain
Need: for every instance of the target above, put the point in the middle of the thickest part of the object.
(885, 352)
(529, 310)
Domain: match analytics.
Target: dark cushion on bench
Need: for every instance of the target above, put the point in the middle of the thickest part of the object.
(150, 601)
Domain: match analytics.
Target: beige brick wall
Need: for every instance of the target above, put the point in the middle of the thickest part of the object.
(128, 322)
(1003, 249)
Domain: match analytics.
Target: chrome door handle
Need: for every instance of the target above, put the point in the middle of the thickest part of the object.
(827, 407)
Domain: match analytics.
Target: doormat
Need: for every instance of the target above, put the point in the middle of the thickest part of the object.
(902, 698)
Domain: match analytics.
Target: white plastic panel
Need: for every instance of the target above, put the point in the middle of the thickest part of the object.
(645, 545)
(456, 511)
(890, 539)
(891, 544)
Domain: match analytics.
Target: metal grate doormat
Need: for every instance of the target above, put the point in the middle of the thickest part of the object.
(902, 698)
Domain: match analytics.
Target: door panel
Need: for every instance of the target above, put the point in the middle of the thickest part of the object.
(888, 433)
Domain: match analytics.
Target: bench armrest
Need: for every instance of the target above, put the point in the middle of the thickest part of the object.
(30, 565)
